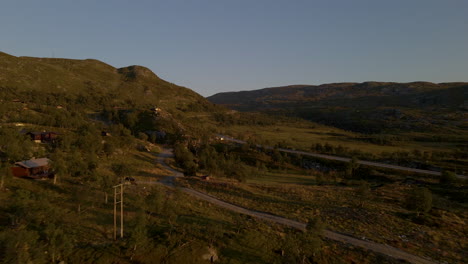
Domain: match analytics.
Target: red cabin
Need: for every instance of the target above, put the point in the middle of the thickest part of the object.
(43, 136)
(33, 168)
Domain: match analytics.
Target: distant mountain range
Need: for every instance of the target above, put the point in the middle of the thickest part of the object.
(365, 107)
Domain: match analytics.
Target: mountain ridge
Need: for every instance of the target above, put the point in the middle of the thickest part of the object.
(414, 86)
(73, 77)
(362, 107)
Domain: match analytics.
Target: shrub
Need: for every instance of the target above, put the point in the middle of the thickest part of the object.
(185, 159)
(142, 136)
(448, 177)
(419, 200)
(362, 193)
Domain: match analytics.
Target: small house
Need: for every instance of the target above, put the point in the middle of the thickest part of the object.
(33, 168)
(49, 136)
(35, 136)
(43, 136)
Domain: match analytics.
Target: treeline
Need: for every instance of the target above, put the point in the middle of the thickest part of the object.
(243, 161)
(233, 161)
(76, 153)
(51, 117)
(374, 120)
(162, 226)
(421, 159)
(207, 159)
(229, 119)
(88, 99)
(144, 124)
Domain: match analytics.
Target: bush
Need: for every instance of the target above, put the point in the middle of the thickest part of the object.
(316, 226)
(142, 136)
(419, 200)
(362, 193)
(448, 177)
(351, 168)
(186, 160)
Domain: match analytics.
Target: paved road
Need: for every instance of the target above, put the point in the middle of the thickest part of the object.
(344, 159)
(369, 245)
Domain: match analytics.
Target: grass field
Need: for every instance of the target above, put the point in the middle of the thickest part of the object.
(304, 137)
(161, 224)
(176, 229)
(380, 216)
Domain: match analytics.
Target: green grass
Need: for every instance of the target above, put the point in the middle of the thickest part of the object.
(95, 80)
(184, 226)
(300, 137)
(383, 218)
(179, 227)
(280, 177)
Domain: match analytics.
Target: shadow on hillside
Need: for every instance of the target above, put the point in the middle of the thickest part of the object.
(241, 256)
(49, 185)
(147, 174)
(201, 220)
(143, 158)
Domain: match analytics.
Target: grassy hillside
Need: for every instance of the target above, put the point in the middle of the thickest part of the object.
(70, 221)
(44, 221)
(412, 124)
(95, 80)
(370, 107)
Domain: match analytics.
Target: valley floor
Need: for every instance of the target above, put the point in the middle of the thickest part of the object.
(366, 244)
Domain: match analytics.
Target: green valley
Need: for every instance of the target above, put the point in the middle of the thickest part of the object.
(191, 196)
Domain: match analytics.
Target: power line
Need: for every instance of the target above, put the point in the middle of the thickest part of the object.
(117, 201)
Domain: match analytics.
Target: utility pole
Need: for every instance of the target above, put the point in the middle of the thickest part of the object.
(118, 201)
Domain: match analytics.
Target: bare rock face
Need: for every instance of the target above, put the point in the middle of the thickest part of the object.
(211, 254)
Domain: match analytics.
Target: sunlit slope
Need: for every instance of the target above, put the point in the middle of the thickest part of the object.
(70, 78)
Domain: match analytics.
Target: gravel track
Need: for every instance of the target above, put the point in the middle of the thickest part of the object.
(369, 245)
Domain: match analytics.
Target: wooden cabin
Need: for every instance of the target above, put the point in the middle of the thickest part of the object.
(43, 136)
(33, 168)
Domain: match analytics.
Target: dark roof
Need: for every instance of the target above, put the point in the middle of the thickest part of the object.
(33, 163)
(42, 133)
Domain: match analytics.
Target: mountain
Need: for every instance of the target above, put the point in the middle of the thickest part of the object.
(364, 107)
(70, 78)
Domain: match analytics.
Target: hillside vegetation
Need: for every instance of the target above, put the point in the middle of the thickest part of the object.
(91, 82)
(417, 124)
(370, 107)
(106, 120)
(117, 125)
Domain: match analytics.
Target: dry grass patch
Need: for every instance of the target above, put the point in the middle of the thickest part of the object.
(381, 218)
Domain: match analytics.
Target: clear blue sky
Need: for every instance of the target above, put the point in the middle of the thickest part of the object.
(214, 46)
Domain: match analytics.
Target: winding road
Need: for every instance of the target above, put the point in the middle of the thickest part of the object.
(369, 245)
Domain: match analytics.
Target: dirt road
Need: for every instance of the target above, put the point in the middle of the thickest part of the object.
(344, 159)
(369, 245)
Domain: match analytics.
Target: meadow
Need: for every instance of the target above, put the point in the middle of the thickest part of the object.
(369, 210)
